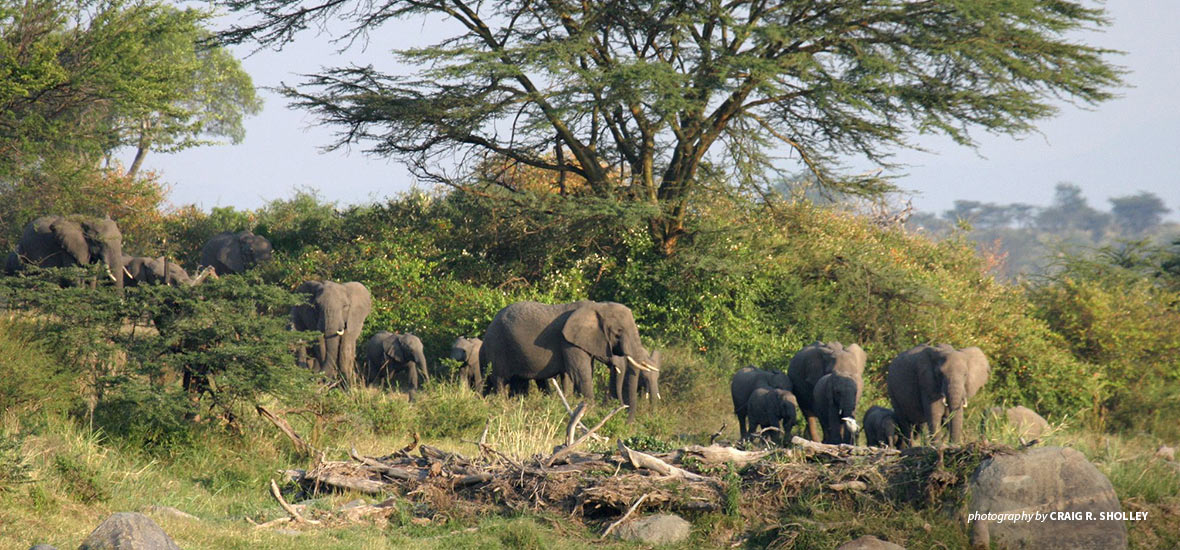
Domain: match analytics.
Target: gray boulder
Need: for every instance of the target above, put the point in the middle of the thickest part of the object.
(1052, 498)
(128, 531)
(656, 529)
(869, 542)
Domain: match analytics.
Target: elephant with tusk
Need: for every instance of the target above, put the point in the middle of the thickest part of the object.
(534, 341)
(931, 384)
(336, 311)
(57, 241)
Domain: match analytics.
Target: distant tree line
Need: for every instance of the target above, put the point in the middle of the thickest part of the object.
(1028, 236)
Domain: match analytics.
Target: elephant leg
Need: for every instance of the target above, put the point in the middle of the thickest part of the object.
(813, 430)
(630, 393)
(578, 368)
(741, 416)
(934, 420)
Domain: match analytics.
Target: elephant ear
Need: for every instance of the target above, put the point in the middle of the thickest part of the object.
(583, 329)
(396, 350)
(977, 369)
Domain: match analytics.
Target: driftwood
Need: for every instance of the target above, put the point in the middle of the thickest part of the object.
(718, 454)
(570, 411)
(646, 461)
(295, 516)
(301, 446)
(565, 451)
(839, 450)
(630, 511)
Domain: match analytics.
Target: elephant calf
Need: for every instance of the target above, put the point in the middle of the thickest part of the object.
(388, 354)
(880, 428)
(834, 398)
(772, 408)
(466, 351)
(745, 381)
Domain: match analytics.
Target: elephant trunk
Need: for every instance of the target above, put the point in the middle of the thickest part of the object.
(956, 398)
(653, 386)
(420, 359)
(113, 258)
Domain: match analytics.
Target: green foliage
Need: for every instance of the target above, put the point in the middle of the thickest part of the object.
(32, 382)
(15, 465)
(1115, 315)
(81, 479)
(79, 81)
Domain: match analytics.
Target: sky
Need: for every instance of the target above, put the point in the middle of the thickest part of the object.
(1119, 147)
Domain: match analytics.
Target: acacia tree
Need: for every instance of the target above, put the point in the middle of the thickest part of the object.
(682, 95)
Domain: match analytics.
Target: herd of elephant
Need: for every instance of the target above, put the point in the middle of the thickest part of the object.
(530, 342)
(58, 241)
(526, 342)
(927, 386)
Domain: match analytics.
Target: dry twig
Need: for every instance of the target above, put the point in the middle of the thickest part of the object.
(630, 511)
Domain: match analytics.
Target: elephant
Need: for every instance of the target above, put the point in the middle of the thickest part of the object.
(534, 341)
(743, 384)
(56, 241)
(466, 351)
(628, 383)
(834, 398)
(161, 270)
(880, 427)
(813, 362)
(927, 384)
(337, 311)
(388, 353)
(235, 252)
(772, 408)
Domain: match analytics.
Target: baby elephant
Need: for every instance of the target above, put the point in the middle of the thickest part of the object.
(880, 428)
(388, 354)
(743, 384)
(772, 408)
(466, 351)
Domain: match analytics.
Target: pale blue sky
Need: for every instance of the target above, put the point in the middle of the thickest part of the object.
(1121, 147)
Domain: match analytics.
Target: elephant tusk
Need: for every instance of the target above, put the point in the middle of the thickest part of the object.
(851, 423)
(340, 332)
(658, 396)
(945, 403)
(127, 273)
(112, 275)
(651, 367)
(633, 363)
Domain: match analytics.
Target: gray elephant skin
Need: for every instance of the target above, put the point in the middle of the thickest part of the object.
(812, 363)
(534, 341)
(390, 354)
(466, 351)
(932, 384)
(742, 386)
(772, 408)
(336, 311)
(141, 270)
(880, 428)
(56, 241)
(235, 252)
(635, 382)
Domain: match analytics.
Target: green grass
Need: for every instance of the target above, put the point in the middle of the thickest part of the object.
(72, 477)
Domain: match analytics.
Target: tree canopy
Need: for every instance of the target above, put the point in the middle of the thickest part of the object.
(80, 81)
(665, 101)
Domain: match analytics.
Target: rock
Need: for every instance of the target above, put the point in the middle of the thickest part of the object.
(1165, 452)
(1037, 486)
(128, 531)
(43, 547)
(869, 542)
(169, 511)
(656, 529)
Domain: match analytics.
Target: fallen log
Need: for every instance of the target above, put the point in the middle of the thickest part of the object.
(346, 483)
(385, 470)
(719, 454)
(640, 460)
(840, 450)
(301, 446)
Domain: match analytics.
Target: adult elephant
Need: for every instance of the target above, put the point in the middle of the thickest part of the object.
(534, 341)
(743, 384)
(141, 270)
(466, 351)
(57, 241)
(235, 252)
(928, 384)
(628, 382)
(815, 361)
(388, 354)
(337, 311)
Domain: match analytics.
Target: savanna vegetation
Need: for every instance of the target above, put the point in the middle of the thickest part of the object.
(644, 175)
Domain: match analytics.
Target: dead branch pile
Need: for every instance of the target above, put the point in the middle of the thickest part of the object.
(600, 485)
